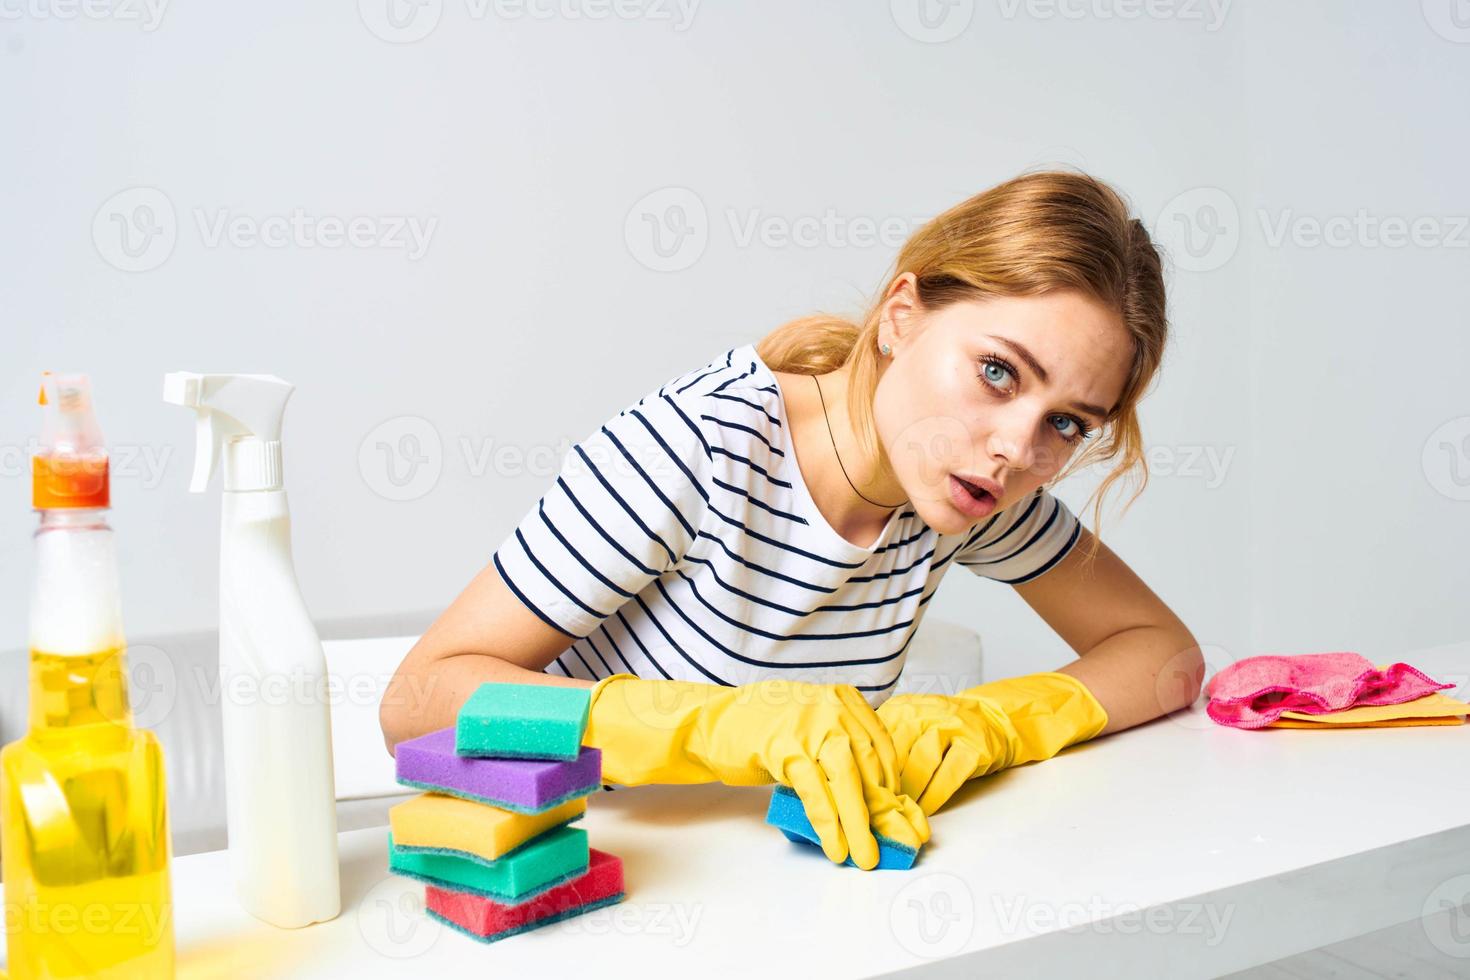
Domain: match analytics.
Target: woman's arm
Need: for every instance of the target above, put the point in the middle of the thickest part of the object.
(671, 731)
(486, 634)
(1138, 662)
(1137, 658)
(624, 508)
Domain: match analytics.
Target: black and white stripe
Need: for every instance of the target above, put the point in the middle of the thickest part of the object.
(680, 541)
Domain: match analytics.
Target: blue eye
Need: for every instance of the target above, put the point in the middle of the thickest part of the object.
(992, 364)
(1081, 433)
(1082, 429)
(994, 369)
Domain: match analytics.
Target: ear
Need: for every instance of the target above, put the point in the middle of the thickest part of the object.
(899, 314)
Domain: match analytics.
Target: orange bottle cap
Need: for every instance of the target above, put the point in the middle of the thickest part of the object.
(70, 468)
(69, 481)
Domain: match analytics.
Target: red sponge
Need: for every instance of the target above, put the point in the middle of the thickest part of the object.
(486, 919)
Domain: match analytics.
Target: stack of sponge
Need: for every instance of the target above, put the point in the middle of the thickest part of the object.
(490, 837)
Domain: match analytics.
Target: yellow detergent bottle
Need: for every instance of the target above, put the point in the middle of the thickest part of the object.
(84, 846)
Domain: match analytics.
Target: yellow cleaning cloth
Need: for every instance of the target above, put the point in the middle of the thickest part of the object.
(438, 821)
(1432, 709)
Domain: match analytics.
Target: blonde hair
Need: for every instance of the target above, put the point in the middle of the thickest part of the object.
(1038, 232)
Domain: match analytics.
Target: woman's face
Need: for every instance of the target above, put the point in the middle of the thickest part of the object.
(958, 399)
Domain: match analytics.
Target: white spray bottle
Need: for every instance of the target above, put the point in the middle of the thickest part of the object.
(280, 792)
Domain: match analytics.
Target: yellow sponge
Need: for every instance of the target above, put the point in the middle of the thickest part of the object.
(435, 822)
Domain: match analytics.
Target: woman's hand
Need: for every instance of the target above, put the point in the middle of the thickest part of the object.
(943, 741)
(822, 740)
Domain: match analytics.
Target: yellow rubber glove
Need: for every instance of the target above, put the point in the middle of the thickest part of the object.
(822, 740)
(945, 740)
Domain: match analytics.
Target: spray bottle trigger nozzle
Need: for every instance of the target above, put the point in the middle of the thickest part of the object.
(183, 388)
(206, 451)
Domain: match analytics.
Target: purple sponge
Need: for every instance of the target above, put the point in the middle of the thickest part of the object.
(429, 762)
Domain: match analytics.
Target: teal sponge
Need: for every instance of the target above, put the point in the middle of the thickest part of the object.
(523, 721)
(545, 861)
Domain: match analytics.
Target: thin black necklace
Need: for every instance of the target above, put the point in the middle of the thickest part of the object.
(839, 455)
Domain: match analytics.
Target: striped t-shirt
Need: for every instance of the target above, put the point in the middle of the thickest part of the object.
(680, 541)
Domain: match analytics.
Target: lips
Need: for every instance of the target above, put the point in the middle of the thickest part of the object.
(981, 483)
(974, 497)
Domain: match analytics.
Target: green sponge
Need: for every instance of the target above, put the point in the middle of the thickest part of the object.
(535, 867)
(523, 721)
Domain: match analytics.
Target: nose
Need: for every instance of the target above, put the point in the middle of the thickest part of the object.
(1016, 450)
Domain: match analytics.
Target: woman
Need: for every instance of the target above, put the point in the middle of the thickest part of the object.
(736, 563)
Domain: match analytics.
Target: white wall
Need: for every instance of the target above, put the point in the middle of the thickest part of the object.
(1294, 508)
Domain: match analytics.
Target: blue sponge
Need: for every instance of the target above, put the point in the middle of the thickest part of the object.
(788, 815)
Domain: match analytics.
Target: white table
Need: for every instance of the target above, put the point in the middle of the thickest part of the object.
(1178, 848)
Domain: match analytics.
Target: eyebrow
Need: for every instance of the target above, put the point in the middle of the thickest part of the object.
(1035, 365)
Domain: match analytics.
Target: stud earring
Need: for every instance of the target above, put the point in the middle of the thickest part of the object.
(885, 350)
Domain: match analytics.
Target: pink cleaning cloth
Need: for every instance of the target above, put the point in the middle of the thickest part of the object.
(1253, 692)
